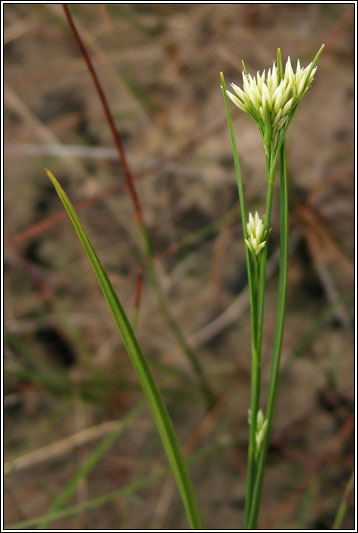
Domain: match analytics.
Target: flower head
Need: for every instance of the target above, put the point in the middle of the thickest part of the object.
(271, 98)
(256, 234)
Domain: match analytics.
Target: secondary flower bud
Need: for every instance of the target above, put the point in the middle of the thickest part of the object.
(261, 425)
(255, 232)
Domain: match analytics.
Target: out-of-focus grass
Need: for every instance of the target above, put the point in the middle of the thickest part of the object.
(87, 467)
(133, 487)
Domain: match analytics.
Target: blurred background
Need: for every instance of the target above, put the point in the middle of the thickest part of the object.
(78, 438)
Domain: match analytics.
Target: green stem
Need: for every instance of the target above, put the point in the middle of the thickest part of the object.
(282, 289)
(256, 366)
(255, 363)
(254, 403)
(243, 212)
(271, 170)
(263, 262)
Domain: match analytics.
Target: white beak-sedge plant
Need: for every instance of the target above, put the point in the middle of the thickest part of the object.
(270, 100)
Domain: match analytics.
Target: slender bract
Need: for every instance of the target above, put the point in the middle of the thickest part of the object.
(154, 399)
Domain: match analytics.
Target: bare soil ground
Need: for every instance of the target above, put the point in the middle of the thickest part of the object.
(67, 373)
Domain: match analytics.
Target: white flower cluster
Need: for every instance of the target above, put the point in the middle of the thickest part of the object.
(268, 98)
(255, 230)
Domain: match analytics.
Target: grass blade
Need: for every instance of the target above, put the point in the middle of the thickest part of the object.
(154, 399)
(343, 505)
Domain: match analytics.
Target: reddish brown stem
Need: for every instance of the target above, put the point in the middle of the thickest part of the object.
(138, 289)
(115, 133)
(139, 217)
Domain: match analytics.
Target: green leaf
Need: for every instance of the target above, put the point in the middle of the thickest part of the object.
(154, 399)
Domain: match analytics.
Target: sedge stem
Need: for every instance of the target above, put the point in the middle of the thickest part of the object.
(255, 368)
(282, 289)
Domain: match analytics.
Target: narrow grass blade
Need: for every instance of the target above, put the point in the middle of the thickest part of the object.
(38, 431)
(343, 506)
(154, 399)
(85, 469)
(305, 510)
(37, 369)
